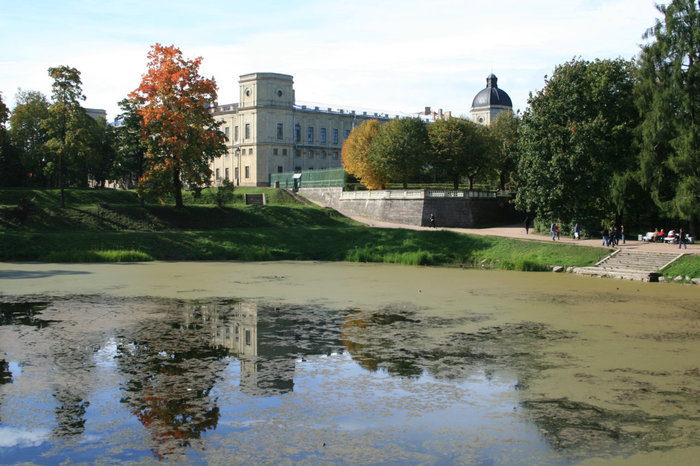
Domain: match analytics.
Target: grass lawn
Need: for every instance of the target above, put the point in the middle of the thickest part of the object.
(107, 225)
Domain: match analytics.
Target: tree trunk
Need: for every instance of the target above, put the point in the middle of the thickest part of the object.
(177, 185)
(455, 182)
(60, 177)
(693, 226)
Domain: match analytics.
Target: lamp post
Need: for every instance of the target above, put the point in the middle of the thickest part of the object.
(238, 166)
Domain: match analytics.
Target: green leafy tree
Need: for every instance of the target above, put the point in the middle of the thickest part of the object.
(28, 134)
(504, 129)
(357, 156)
(102, 155)
(576, 135)
(65, 131)
(669, 101)
(11, 172)
(180, 133)
(130, 157)
(224, 193)
(400, 148)
(460, 148)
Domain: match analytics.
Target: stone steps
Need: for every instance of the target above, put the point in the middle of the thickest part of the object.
(254, 199)
(630, 264)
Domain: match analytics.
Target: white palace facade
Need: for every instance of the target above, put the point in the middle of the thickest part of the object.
(268, 133)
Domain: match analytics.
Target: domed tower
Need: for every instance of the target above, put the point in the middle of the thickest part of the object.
(489, 102)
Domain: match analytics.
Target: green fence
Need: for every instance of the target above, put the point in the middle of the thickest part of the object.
(334, 177)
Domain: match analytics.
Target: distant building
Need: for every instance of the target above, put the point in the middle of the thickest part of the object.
(96, 113)
(269, 133)
(489, 102)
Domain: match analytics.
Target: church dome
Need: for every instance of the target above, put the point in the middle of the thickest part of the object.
(491, 95)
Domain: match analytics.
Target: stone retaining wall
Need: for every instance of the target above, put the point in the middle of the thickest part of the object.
(413, 207)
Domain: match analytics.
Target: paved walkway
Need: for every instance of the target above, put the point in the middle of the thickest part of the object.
(518, 231)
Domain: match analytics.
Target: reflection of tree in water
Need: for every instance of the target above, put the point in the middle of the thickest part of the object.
(5, 373)
(374, 339)
(396, 340)
(401, 343)
(171, 365)
(70, 413)
(24, 313)
(71, 355)
(173, 362)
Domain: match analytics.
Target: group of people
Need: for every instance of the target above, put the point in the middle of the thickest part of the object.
(612, 236)
(554, 229)
(679, 236)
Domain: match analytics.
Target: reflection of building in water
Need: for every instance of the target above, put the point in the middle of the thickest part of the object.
(267, 361)
(238, 329)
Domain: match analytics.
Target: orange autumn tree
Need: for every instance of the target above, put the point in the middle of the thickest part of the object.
(180, 134)
(357, 156)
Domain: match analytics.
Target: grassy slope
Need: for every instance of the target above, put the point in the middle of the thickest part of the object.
(111, 226)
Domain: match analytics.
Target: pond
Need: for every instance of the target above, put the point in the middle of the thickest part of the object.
(287, 362)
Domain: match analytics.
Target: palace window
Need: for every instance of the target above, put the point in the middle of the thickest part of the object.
(347, 133)
(323, 135)
(235, 133)
(284, 151)
(226, 173)
(335, 136)
(279, 168)
(247, 171)
(218, 176)
(311, 154)
(310, 137)
(247, 131)
(226, 131)
(279, 130)
(297, 133)
(274, 151)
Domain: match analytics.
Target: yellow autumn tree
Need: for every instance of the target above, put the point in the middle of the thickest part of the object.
(357, 156)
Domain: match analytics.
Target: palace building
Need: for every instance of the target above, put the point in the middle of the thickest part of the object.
(268, 133)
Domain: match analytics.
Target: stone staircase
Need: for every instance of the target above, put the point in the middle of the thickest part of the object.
(630, 264)
(254, 199)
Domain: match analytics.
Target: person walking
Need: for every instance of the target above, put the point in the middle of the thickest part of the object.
(605, 237)
(577, 231)
(622, 233)
(556, 229)
(682, 239)
(527, 225)
(432, 220)
(553, 230)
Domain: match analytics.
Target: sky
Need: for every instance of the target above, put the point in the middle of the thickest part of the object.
(390, 56)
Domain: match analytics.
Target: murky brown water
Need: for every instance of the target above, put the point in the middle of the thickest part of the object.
(314, 362)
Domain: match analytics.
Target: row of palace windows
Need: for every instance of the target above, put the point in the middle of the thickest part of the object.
(323, 135)
(246, 170)
(310, 136)
(227, 173)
